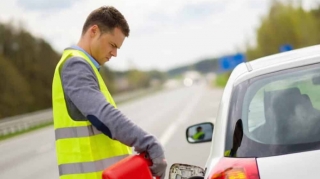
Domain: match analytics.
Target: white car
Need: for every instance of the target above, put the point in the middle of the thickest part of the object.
(268, 123)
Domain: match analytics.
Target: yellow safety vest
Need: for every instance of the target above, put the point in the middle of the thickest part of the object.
(197, 135)
(228, 154)
(82, 151)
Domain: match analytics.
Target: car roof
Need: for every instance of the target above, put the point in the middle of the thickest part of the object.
(284, 57)
(276, 62)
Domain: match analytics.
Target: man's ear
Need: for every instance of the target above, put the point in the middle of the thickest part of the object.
(94, 31)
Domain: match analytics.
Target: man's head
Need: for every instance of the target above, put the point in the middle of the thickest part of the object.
(199, 129)
(103, 33)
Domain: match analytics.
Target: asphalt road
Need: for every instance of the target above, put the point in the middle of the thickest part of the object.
(165, 114)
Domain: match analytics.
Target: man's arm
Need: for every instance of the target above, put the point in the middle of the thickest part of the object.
(81, 87)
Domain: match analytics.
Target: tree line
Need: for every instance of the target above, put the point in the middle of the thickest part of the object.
(285, 23)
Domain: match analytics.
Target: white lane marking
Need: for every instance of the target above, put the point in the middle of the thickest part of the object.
(183, 117)
(168, 133)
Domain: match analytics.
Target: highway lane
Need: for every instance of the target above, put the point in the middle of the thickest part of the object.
(165, 114)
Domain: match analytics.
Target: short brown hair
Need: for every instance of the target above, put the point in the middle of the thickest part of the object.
(106, 18)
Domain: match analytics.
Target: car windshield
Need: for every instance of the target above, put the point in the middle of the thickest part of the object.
(275, 114)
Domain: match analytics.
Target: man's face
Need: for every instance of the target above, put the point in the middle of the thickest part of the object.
(105, 45)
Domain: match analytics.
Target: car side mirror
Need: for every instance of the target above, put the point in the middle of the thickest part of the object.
(200, 133)
(184, 171)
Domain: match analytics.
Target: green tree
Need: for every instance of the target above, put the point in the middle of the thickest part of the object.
(138, 79)
(15, 92)
(285, 24)
(27, 67)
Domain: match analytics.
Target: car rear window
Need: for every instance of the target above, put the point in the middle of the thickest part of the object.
(275, 114)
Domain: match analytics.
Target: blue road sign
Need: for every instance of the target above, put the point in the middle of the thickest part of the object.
(285, 47)
(228, 63)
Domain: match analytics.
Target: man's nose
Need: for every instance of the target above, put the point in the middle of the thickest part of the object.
(114, 52)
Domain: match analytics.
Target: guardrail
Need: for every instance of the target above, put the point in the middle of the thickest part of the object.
(26, 121)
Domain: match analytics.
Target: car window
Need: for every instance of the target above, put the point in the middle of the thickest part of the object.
(301, 83)
(278, 111)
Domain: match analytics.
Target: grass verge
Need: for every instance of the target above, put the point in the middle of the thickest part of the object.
(221, 80)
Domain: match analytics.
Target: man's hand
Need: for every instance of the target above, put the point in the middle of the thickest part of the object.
(159, 167)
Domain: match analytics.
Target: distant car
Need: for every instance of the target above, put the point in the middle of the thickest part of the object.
(268, 123)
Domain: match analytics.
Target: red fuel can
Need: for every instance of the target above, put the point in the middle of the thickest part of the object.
(132, 167)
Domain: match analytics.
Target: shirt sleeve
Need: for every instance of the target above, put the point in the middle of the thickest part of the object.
(81, 87)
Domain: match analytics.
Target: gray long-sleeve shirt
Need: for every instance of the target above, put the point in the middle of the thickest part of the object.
(85, 101)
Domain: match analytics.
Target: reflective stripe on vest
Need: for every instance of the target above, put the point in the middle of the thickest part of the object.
(71, 132)
(88, 167)
(82, 151)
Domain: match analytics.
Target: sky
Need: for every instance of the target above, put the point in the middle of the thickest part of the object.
(163, 33)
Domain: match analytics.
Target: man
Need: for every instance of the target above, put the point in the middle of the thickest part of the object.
(199, 135)
(91, 133)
